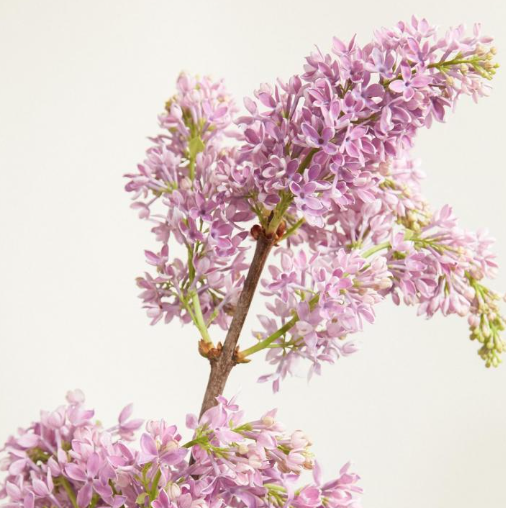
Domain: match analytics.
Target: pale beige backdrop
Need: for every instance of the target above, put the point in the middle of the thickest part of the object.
(81, 85)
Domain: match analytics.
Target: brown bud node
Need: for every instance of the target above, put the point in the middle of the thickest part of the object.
(281, 230)
(256, 231)
(207, 350)
(239, 357)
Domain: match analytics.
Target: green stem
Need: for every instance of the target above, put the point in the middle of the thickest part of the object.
(458, 60)
(188, 309)
(291, 230)
(198, 319)
(201, 440)
(307, 160)
(94, 500)
(212, 317)
(154, 486)
(279, 212)
(376, 248)
(191, 267)
(69, 490)
(266, 343)
(273, 486)
(196, 315)
(269, 340)
(192, 169)
(287, 198)
(455, 61)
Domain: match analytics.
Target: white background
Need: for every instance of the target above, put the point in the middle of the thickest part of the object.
(81, 86)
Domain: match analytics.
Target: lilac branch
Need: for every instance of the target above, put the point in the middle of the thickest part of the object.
(222, 365)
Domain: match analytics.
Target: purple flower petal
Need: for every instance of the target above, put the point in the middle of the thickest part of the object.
(74, 472)
(84, 495)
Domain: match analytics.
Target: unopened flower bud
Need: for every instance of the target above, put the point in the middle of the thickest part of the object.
(185, 184)
(385, 283)
(173, 491)
(268, 421)
(299, 439)
(255, 461)
(242, 449)
(469, 293)
(308, 464)
(481, 50)
(473, 320)
(384, 168)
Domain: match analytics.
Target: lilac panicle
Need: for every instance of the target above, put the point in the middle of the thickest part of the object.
(324, 159)
(71, 461)
(182, 188)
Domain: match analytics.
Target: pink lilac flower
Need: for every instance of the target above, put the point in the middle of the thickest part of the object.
(181, 189)
(353, 102)
(408, 84)
(329, 150)
(320, 140)
(331, 296)
(440, 269)
(236, 463)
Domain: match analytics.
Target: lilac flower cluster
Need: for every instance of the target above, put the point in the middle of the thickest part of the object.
(432, 263)
(317, 141)
(321, 300)
(358, 192)
(318, 170)
(67, 460)
(182, 188)
(440, 268)
(322, 163)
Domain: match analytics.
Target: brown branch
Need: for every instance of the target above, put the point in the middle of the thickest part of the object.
(222, 364)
